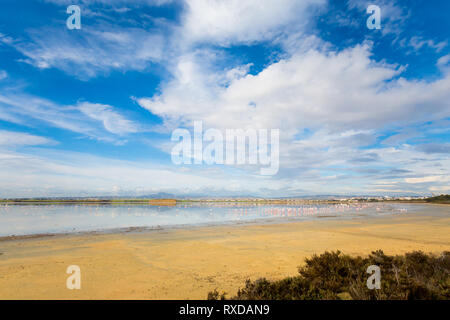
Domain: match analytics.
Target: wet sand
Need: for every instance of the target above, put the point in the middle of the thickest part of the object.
(186, 264)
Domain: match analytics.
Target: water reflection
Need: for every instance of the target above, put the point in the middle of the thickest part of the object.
(33, 219)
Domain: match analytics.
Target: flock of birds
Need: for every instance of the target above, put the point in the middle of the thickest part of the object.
(214, 210)
(319, 210)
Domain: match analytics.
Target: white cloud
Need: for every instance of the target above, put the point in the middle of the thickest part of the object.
(418, 43)
(101, 47)
(440, 189)
(312, 89)
(393, 15)
(14, 139)
(96, 50)
(443, 62)
(326, 93)
(84, 118)
(426, 179)
(225, 22)
(111, 2)
(328, 104)
(56, 173)
(112, 121)
(3, 74)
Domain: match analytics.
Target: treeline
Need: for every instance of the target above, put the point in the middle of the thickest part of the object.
(443, 198)
(336, 276)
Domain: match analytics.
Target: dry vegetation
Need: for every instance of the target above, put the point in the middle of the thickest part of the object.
(335, 276)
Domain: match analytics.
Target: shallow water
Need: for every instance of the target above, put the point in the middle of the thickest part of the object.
(39, 219)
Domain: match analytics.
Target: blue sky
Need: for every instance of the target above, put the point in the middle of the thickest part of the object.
(91, 111)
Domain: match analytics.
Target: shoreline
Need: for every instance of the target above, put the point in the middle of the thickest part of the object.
(116, 231)
(143, 229)
(173, 202)
(188, 263)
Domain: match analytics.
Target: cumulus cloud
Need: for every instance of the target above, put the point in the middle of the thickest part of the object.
(226, 22)
(102, 45)
(314, 89)
(331, 105)
(343, 98)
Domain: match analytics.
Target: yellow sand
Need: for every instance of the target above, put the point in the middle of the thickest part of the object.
(186, 264)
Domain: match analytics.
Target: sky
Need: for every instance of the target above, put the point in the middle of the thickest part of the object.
(91, 111)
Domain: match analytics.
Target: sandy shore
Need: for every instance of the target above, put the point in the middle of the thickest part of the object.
(186, 264)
